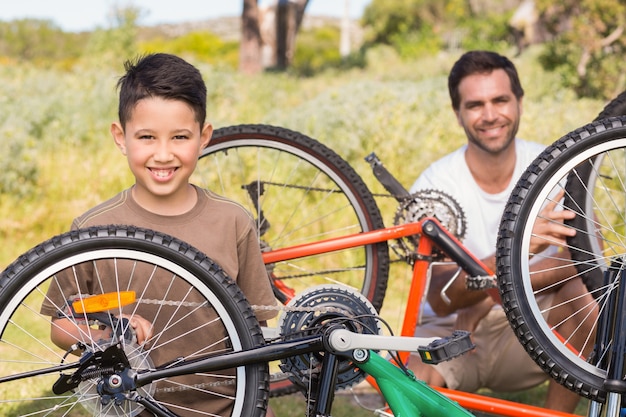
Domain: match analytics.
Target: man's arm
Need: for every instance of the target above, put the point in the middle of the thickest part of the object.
(457, 295)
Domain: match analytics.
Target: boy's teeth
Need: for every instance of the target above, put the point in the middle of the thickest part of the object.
(161, 173)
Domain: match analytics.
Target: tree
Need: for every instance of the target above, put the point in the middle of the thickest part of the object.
(589, 49)
(250, 47)
(278, 38)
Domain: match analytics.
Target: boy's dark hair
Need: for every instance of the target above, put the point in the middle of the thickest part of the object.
(481, 62)
(161, 75)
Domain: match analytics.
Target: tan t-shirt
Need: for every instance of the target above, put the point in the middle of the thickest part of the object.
(220, 228)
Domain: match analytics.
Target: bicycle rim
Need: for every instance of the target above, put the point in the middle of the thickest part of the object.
(193, 306)
(589, 166)
(305, 193)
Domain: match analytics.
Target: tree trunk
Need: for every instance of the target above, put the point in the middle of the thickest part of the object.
(250, 47)
(289, 15)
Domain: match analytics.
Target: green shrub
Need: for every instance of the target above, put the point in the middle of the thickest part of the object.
(201, 45)
(490, 32)
(318, 49)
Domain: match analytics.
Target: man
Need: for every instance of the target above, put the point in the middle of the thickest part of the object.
(487, 96)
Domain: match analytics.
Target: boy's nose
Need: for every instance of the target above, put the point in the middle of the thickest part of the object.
(163, 152)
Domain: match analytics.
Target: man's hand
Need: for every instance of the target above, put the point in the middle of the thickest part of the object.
(549, 228)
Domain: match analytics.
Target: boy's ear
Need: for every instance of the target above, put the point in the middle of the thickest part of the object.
(118, 136)
(207, 132)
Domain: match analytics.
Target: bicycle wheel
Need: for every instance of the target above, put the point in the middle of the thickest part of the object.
(193, 306)
(591, 252)
(299, 191)
(588, 166)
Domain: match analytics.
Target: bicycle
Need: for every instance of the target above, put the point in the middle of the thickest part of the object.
(332, 325)
(25, 283)
(273, 170)
(120, 375)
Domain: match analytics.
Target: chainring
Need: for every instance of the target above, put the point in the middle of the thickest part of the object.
(311, 312)
(428, 203)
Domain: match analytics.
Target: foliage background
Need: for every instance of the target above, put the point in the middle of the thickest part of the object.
(58, 98)
(59, 159)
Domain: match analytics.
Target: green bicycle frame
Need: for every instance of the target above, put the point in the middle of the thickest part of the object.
(407, 396)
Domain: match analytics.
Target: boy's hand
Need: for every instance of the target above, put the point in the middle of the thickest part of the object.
(65, 332)
(142, 327)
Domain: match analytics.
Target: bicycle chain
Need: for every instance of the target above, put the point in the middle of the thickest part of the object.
(255, 308)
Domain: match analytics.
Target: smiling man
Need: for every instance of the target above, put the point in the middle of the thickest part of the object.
(487, 96)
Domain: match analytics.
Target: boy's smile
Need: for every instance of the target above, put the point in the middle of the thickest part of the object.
(162, 174)
(162, 142)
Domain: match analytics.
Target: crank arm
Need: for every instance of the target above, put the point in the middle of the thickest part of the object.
(432, 350)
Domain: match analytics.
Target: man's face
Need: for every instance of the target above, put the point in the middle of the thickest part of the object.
(489, 112)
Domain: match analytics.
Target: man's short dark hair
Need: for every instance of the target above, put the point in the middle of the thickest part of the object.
(481, 62)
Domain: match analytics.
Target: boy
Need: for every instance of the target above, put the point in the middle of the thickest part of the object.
(161, 131)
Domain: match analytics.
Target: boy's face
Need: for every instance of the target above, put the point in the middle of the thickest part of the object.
(162, 142)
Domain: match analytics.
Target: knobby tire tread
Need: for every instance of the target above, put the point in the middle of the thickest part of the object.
(516, 306)
(59, 247)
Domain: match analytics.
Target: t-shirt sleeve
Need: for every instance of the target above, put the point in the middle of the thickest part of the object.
(253, 278)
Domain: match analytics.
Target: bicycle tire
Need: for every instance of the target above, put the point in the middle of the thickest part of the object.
(616, 107)
(601, 144)
(308, 193)
(305, 185)
(40, 276)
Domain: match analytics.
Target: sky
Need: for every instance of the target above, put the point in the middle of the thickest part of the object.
(83, 15)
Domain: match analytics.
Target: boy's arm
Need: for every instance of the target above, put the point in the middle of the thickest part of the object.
(65, 332)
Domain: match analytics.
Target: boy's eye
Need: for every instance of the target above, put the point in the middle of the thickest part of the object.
(181, 137)
(146, 137)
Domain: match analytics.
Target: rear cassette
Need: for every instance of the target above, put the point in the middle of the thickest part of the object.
(428, 203)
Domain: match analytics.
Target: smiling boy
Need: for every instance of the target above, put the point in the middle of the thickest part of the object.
(162, 131)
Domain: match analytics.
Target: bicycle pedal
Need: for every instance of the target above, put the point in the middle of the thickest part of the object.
(446, 348)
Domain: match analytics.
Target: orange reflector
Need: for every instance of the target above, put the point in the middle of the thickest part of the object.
(104, 302)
